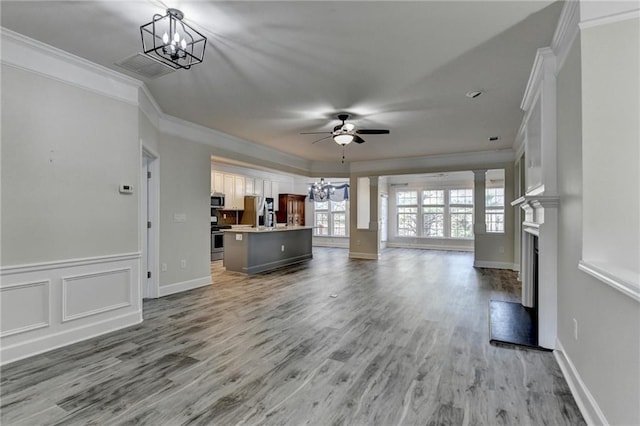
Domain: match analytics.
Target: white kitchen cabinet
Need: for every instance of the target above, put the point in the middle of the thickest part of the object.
(274, 193)
(238, 194)
(229, 188)
(259, 186)
(267, 188)
(217, 182)
(248, 186)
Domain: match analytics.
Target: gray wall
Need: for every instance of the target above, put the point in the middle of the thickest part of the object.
(185, 175)
(607, 351)
(65, 151)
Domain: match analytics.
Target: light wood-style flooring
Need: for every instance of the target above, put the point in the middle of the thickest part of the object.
(405, 342)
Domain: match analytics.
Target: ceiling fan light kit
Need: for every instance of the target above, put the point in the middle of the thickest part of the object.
(343, 139)
(171, 41)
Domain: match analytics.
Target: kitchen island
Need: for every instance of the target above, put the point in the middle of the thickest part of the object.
(254, 250)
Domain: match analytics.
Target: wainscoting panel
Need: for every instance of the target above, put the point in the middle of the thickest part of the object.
(91, 294)
(24, 307)
(53, 304)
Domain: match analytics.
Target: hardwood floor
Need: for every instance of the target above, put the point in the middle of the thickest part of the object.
(405, 341)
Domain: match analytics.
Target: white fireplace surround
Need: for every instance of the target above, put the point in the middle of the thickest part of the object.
(541, 220)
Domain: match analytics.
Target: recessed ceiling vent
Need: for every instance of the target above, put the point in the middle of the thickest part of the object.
(145, 66)
(472, 94)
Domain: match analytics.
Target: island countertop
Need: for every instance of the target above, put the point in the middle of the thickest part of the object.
(264, 229)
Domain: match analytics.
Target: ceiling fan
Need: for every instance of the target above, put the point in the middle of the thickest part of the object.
(345, 133)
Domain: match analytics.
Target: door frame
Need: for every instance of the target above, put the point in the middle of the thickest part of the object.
(149, 211)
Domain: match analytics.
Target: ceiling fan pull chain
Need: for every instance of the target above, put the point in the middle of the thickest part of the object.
(343, 154)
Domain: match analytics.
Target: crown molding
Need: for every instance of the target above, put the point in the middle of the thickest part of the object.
(596, 13)
(443, 162)
(566, 31)
(232, 146)
(543, 63)
(34, 56)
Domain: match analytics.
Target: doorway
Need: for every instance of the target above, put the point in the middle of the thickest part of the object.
(149, 224)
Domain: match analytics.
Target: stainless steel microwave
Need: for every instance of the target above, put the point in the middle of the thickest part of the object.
(217, 200)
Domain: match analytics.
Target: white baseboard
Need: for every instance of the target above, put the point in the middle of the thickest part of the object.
(493, 265)
(368, 256)
(331, 244)
(587, 404)
(25, 349)
(429, 246)
(166, 290)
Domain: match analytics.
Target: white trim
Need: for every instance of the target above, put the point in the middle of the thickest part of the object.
(67, 263)
(611, 19)
(493, 265)
(50, 342)
(543, 55)
(31, 55)
(587, 404)
(47, 314)
(423, 164)
(166, 290)
(566, 32)
(397, 244)
(65, 289)
(612, 279)
(360, 255)
(231, 144)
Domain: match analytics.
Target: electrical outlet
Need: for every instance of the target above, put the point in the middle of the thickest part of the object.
(183, 264)
(282, 248)
(163, 267)
(357, 242)
(501, 249)
(575, 329)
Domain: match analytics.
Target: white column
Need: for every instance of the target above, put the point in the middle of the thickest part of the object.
(479, 185)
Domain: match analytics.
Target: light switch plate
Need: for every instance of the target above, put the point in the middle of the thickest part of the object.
(238, 237)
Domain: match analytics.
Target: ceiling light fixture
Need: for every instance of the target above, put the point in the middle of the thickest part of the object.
(321, 191)
(171, 41)
(343, 139)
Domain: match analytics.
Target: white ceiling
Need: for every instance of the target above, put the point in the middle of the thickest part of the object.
(275, 69)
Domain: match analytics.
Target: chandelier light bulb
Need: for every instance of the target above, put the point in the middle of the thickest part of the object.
(176, 37)
(183, 44)
(165, 38)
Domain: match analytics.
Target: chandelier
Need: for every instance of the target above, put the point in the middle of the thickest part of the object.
(321, 191)
(171, 41)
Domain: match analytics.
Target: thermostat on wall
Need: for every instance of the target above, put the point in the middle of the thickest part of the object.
(126, 189)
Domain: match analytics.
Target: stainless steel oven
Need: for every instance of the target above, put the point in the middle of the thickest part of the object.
(217, 241)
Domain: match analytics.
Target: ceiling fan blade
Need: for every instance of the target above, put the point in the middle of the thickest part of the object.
(372, 131)
(358, 139)
(314, 133)
(326, 137)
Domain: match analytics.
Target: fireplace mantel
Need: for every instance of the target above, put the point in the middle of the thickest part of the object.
(541, 221)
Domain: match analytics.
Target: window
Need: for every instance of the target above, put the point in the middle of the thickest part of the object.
(494, 210)
(339, 218)
(433, 213)
(330, 219)
(407, 202)
(444, 213)
(461, 213)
